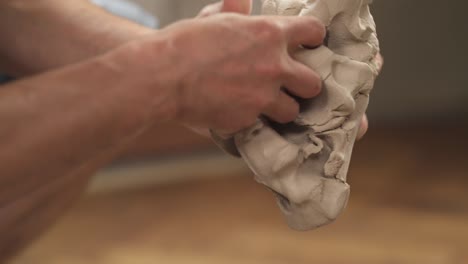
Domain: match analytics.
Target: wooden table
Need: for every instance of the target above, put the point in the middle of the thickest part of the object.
(409, 205)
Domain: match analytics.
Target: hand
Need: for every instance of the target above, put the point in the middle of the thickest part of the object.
(232, 67)
(227, 6)
(243, 7)
(365, 121)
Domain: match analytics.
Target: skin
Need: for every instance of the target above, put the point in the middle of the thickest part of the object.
(73, 30)
(111, 80)
(72, 114)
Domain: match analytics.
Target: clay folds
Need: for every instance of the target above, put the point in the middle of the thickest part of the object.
(305, 163)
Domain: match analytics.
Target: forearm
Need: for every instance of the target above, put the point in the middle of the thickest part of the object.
(39, 35)
(57, 128)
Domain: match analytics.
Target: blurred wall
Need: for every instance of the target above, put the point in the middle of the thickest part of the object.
(163, 9)
(425, 47)
(424, 43)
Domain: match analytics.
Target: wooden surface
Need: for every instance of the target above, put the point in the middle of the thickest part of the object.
(409, 205)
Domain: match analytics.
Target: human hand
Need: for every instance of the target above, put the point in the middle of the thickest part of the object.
(365, 121)
(233, 67)
(227, 6)
(243, 7)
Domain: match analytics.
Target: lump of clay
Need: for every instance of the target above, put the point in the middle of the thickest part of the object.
(305, 163)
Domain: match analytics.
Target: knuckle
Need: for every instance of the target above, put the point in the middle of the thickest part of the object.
(248, 121)
(296, 109)
(264, 101)
(312, 85)
(322, 31)
(269, 30)
(318, 88)
(261, 101)
(238, 122)
(229, 126)
(238, 125)
(315, 23)
(270, 69)
(290, 115)
(320, 27)
(314, 89)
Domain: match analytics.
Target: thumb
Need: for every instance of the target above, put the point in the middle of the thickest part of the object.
(237, 6)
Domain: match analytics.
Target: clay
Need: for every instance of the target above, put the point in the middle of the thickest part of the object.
(305, 163)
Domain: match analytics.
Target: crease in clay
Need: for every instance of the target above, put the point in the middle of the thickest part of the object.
(305, 163)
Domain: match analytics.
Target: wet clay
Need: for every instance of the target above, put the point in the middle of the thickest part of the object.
(305, 163)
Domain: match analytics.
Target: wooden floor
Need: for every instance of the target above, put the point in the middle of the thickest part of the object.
(409, 205)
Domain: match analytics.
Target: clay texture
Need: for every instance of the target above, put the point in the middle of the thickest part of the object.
(305, 163)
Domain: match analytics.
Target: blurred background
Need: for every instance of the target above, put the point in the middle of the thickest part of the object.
(175, 198)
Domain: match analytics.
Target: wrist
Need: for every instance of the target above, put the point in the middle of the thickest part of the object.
(148, 78)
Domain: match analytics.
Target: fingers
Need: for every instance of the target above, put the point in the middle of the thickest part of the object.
(379, 60)
(364, 126)
(284, 110)
(302, 81)
(210, 10)
(306, 31)
(237, 6)
(227, 6)
(205, 132)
